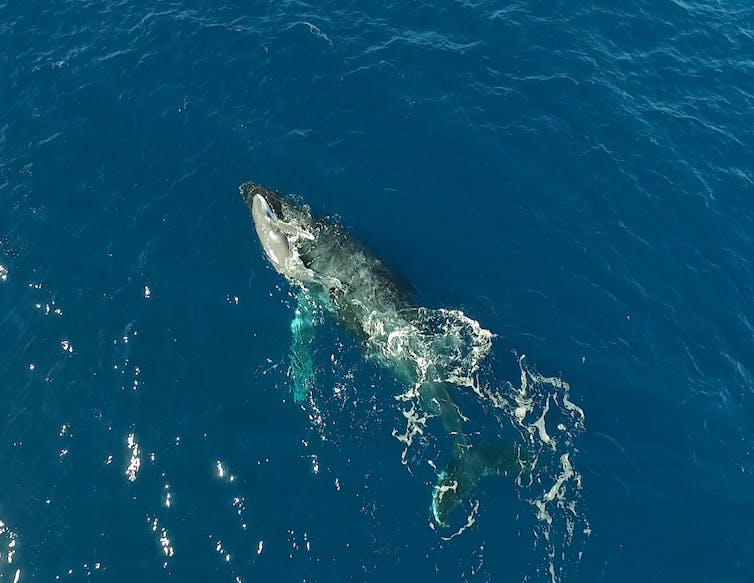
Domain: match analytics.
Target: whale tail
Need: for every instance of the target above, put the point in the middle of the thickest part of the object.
(467, 465)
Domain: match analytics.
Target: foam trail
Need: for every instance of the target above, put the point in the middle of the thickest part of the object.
(551, 483)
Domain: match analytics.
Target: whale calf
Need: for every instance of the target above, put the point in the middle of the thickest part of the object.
(433, 351)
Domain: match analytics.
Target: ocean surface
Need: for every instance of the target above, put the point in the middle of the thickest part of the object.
(575, 177)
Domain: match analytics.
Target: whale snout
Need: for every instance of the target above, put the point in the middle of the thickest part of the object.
(281, 224)
(261, 209)
(248, 190)
(274, 242)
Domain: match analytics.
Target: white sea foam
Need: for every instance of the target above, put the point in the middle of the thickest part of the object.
(549, 482)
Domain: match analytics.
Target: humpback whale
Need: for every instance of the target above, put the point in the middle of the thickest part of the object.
(433, 351)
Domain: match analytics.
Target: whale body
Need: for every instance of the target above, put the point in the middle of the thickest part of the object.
(432, 351)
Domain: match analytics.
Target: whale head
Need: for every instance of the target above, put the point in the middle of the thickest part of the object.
(284, 228)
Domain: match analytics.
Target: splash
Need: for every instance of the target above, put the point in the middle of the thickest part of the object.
(426, 345)
(422, 345)
(448, 346)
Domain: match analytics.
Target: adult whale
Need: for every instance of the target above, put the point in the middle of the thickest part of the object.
(432, 351)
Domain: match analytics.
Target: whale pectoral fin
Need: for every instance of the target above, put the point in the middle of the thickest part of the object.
(466, 466)
(301, 368)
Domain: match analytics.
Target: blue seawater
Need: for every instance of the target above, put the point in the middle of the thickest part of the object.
(577, 177)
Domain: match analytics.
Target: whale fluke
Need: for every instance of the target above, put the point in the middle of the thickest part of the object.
(467, 465)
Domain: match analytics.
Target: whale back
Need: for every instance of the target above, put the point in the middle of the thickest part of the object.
(359, 284)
